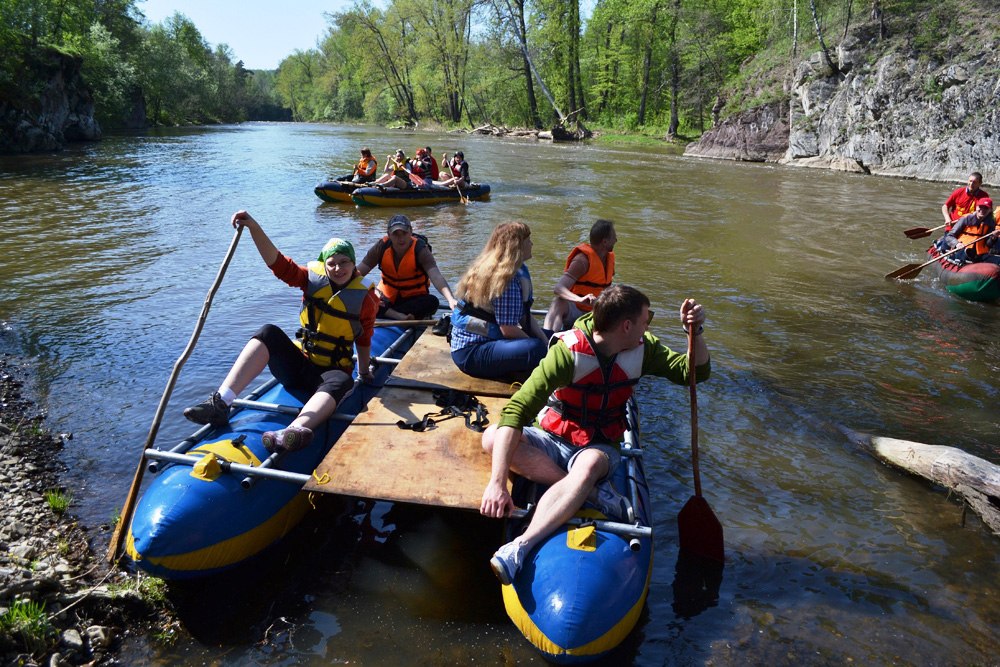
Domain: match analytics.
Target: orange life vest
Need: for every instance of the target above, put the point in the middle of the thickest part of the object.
(366, 166)
(973, 231)
(405, 279)
(598, 276)
(594, 404)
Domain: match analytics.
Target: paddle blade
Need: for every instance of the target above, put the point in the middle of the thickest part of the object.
(908, 272)
(700, 531)
(917, 233)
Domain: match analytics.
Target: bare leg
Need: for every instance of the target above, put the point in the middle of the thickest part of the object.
(565, 497)
(317, 410)
(557, 313)
(252, 360)
(528, 461)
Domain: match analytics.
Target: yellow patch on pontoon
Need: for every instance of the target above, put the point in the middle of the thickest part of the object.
(225, 450)
(583, 538)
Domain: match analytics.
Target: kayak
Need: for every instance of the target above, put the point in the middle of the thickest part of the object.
(382, 196)
(582, 591)
(218, 499)
(975, 281)
(336, 191)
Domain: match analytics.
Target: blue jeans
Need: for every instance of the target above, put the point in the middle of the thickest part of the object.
(507, 359)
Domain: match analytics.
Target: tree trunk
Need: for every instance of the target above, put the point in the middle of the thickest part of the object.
(847, 21)
(822, 44)
(975, 480)
(795, 29)
(603, 103)
(675, 74)
(647, 65)
(879, 17)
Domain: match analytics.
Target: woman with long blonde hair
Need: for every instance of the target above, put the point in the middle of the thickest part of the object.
(493, 333)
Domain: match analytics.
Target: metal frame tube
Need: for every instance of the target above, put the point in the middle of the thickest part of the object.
(229, 466)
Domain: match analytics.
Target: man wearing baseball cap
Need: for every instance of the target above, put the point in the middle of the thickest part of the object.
(408, 268)
(975, 232)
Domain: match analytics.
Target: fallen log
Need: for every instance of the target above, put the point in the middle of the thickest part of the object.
(975, 480)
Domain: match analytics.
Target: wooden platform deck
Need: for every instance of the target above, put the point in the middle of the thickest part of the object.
(444, 466)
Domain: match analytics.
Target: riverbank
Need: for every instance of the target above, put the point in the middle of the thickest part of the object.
(60, 603)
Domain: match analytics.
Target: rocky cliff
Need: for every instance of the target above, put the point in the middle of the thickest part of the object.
(884, 109)
(53, 107)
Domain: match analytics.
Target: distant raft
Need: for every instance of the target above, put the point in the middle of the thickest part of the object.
(975, 281)
(382, 196)
(339, 191)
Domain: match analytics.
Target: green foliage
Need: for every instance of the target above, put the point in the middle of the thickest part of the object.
(26, 623)
(152, 590)
(58, 500)
(651, 67)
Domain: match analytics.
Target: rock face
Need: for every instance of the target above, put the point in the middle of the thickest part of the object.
(58, 110)
(758, 135)
(886, 111)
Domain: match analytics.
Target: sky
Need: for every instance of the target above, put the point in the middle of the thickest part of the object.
(261, 33)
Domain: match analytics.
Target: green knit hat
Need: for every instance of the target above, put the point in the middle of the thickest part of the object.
(337, 247)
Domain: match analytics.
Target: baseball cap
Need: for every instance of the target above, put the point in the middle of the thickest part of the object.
(399, 221)
(985, 201)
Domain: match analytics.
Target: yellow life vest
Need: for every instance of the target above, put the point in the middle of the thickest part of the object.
(331, 320)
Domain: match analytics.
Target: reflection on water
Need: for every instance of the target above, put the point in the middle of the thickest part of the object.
(110, 248)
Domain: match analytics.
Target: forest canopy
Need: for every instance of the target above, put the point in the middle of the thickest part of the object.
(655, 66)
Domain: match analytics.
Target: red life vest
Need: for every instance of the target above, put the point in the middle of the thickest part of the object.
(598, 276)
(594, 403)
(405, 279)
(435, 170)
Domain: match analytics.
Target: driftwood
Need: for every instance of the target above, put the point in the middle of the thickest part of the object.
(975, 480)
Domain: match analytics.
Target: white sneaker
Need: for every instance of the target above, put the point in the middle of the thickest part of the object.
(507, 561)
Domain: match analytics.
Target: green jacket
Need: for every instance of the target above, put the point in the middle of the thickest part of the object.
(556, 370)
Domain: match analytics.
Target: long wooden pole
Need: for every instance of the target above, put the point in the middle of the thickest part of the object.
(125, 518)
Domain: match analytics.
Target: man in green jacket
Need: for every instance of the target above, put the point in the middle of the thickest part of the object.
(583, 384)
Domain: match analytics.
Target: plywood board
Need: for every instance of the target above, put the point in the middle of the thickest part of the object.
(444, 466)
(428, 364)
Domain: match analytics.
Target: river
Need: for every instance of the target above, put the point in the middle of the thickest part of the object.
(109, 249)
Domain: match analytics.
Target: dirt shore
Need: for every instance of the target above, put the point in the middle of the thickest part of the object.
(60, 603)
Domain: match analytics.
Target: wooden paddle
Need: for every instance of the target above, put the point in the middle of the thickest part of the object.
(461, 197)
(921, 232)
(125, 518)
(698, 528)
(910, 271)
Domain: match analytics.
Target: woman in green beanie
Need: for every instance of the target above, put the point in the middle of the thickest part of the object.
(338, 313)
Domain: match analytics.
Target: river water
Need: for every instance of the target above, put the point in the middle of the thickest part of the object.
(108, 251)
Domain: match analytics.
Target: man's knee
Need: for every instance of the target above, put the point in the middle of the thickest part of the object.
(591, 464)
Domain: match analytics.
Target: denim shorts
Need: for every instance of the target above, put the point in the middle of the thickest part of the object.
(564, 453)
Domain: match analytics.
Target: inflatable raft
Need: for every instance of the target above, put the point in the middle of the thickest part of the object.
(339, 190)
(218, 498)
(581, 592)
(381, 196)
(976, 281)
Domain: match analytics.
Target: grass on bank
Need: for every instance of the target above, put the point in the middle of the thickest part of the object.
(58, 500)
(27, 625)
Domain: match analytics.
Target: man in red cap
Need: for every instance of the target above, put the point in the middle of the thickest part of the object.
(963, 200)
(975, 232)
